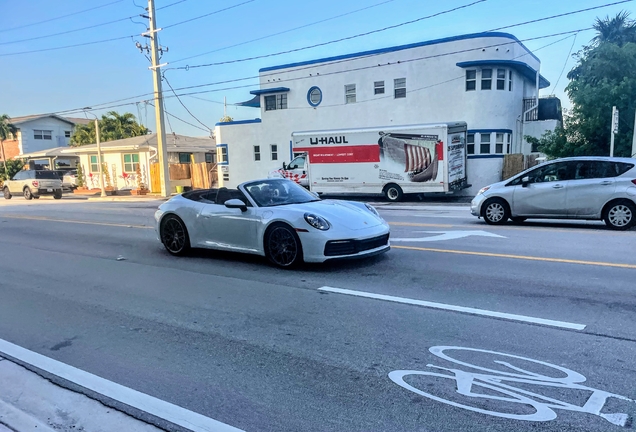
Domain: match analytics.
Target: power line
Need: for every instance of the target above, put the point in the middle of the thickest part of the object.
(565, 63)
(59, 17)
(284, 31)
(562, 15)
(183, 105)
(330, 73)
(170, 5)
(334, 41)
(182, 120)
(67, 46)
(208, 14)
(68, 31)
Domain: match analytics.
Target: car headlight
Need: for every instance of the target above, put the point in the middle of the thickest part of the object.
(317, 222)
(373, 210)
(482, 190)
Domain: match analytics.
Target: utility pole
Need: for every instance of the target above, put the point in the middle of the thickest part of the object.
(162, 151)
(99, 159)
(614, 129)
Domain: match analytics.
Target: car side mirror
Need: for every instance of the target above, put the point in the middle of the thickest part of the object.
(525, 181)
(236, 204)
(284, 166)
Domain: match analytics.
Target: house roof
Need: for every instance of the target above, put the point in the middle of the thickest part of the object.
(174, 143)
(80, 120)
(52, 152)
(19, 120)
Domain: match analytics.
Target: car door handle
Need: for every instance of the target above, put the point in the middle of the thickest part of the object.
(558, 186)
(606, 182)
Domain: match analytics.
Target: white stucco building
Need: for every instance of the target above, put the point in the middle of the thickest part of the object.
(488, 80)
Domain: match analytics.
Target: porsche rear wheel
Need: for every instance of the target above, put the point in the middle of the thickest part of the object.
(174, 235)
(282, 246)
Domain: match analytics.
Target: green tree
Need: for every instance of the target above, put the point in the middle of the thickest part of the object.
(7, 130)
(10, 168)
(112, 126)
(604, 76)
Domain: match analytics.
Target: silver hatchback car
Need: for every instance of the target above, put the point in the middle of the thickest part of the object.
(570, 188)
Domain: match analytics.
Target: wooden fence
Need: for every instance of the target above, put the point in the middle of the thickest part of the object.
(201, 175)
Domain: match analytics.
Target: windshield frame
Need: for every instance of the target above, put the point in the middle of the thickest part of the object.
(301, 195)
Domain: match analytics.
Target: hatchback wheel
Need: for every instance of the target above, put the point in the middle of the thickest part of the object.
(496, 211)
(174, 235)
(27, 193)
(282, 246)
(7, 194)
(620, 215)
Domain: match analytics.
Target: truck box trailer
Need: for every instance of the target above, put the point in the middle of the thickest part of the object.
(391, 160)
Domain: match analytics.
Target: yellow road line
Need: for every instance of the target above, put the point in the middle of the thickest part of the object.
(520, 257)
(414, 224)
(42, 218)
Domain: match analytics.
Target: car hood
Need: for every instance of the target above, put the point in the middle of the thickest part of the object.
(344, 214)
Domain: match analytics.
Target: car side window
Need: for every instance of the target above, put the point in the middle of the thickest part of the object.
(19, 176)
(550, 173)
(585, 170)
(622, 167)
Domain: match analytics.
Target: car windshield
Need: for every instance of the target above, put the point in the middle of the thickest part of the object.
(275, 192)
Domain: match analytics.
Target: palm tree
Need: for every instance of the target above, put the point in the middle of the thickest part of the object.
(116, 126)
(619, 29)
(6, 130)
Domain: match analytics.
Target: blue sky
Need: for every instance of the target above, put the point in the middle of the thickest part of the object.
(89, 75)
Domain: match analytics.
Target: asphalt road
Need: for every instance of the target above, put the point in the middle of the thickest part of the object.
(262, 349)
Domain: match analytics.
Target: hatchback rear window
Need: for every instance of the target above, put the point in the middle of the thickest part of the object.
(47, 175)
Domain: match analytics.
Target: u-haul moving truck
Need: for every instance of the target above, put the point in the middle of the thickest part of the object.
(391, 160)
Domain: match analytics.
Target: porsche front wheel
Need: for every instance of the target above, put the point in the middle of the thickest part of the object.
(282, 246)
(174, 235)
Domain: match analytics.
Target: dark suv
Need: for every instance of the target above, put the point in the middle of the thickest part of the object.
(33, 184)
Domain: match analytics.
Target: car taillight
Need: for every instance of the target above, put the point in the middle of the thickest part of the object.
(35, 183)
(634, 181)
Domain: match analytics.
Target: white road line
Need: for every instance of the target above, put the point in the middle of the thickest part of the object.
(468, 310)
(157, 407)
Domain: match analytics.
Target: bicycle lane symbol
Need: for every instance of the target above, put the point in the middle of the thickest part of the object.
(502, 383)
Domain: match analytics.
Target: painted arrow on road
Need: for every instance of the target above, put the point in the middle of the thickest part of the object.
(446, 235)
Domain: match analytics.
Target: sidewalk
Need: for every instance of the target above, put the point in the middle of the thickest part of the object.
(30, 403)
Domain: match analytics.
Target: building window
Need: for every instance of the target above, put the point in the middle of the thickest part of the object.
(399, 85)
(471, 80)
(314, 96)
(486, 79)
(131, 162)
(42, 134)
(94, 165)
(378, 87)
(501, 79)
(484, 147)
(274, 151)
(67, 134)
(509, 80)
(275, 102)
(350, 93)
(222, 155)
(185, 158)
(508, 143)
(470, 144)
(499, 143)
(226, 176)
(209, 157)
(257, 153)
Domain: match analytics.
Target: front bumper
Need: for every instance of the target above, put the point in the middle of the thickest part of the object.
(355, 243)
(475, 205)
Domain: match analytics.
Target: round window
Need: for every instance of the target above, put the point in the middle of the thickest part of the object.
(314, 96)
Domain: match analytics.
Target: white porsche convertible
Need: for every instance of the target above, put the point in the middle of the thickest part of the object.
(275, 218)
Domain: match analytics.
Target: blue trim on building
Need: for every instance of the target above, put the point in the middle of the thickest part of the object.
(309, 96)
(523, 68)
(489, 131)
(486, 156)
(238, 122)
(255, 102)
(402, 47)
(227, 152)
(270, 90)
(291, 150)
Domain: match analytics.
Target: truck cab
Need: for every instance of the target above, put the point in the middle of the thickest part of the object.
(297, 170)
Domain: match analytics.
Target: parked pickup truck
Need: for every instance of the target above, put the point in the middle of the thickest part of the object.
(33, 184)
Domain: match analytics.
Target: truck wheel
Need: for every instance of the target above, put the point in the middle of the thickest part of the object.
(7, 194)
(27, 193)
(393, 192)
